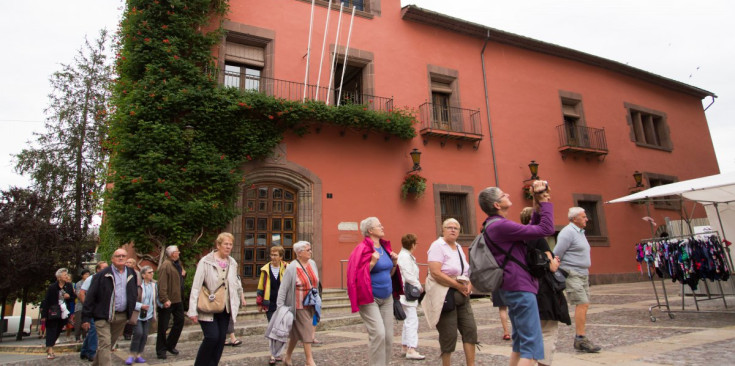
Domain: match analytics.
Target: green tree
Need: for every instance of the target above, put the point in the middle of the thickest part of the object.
(33, 245)
(69, 163)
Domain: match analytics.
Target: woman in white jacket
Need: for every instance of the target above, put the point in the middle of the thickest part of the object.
(410, 272)
(214, 270)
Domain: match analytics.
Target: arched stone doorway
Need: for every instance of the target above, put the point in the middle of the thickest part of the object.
(280, 204)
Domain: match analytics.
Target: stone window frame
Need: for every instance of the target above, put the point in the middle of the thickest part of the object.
(666, 202)
(658, 127)
(470, 200)
(567, 98)
(249, 35)
(447, 76)
(601, 240)
(357, 57)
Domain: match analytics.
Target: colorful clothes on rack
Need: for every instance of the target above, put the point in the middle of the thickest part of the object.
(685, 260)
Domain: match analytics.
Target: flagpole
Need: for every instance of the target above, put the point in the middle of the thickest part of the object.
(347, 49)
(308, 51)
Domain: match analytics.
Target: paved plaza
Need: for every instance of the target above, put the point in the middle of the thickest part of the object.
(618, 321)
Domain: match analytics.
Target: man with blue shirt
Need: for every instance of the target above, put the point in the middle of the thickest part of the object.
(110, 301)
(573, 249)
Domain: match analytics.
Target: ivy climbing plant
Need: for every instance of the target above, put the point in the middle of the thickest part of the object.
(177, 138)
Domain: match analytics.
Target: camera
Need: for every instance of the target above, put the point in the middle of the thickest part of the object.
(546, 188)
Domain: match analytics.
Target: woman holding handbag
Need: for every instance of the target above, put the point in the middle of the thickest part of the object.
(300, 281)
(410, 273)
(447, 302)
(147, 308)
(56, 313)
(214, 299)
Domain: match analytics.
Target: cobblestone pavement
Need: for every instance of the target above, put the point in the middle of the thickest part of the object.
(618, 320)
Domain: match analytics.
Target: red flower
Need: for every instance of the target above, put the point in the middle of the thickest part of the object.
(222, 157)
(270, 117)
(166, 41)
(176, 57)
(241, 104)
(164, 26)
(364, 109)
(168, 196)
(249, 157)
(132, 113)
(146, 40)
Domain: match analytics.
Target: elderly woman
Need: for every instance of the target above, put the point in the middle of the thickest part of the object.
(371, 289)
(214, 270)
(410, 273)
(447, 303)
(271, 275)
(55, 311)
(300, 278)
(147, 308)
(519, 288)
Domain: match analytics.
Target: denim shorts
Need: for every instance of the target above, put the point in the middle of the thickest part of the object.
(578, 288)
(523, 312)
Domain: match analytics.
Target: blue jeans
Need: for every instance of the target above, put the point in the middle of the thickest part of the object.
(215, 334)
(140, 336)
(524, 318)
(89, 347)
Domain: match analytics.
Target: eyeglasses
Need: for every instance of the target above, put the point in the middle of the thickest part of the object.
(120, 255)
(452, 228)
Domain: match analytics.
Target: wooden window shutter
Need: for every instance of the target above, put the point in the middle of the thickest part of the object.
(439, 87)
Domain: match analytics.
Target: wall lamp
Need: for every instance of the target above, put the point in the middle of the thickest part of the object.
(533, 167)
(416, 158)
(638, 176)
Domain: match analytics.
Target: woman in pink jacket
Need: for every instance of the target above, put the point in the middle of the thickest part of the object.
(373, 281)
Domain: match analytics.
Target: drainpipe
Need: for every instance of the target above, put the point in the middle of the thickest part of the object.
(487, 108)
(711, 103)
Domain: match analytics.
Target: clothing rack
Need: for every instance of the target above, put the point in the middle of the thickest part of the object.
(651, 269)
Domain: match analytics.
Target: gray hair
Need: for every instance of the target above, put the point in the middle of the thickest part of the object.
(367, 224)
(300, 246)
(61, 271)
(171, 249)
(451, 221)
(573, 212)
(145, 269)
(487, 198)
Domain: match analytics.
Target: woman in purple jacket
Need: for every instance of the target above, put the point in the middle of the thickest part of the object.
(519, 287)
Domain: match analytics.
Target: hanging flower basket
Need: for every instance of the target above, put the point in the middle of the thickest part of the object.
(526, 192)
(413, 184)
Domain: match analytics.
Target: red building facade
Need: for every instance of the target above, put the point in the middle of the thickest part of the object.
(488, 103)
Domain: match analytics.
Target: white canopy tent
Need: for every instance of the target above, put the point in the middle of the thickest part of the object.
(715, 192)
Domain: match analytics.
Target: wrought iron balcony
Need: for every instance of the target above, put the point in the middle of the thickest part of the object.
(581, 140)
(292, 90)
(450, 123)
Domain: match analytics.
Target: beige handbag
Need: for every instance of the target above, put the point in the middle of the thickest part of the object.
(213, 302)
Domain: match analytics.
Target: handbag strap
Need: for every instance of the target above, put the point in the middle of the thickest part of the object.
(461, 262)
(306, 273)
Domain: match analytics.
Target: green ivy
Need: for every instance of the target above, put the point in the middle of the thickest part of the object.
(177, 138)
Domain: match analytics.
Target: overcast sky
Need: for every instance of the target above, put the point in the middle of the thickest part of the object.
(682, 40)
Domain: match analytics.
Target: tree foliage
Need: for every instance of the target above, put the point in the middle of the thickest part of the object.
(33, 244)
(68, 165)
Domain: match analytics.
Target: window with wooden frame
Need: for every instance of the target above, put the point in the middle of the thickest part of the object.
(269, 218)
(454, 205)
(243, 66)
(596, 230)
(648, 128)
(665, 202)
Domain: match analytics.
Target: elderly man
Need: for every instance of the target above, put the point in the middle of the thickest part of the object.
(110, 302)
(170, 289)
(573, 249)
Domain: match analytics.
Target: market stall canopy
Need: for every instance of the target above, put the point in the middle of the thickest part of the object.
(718, 188)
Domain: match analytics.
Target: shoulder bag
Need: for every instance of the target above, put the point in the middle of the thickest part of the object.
(213, 302)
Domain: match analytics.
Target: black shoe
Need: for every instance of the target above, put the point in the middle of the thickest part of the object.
(173, 351)
(161, 356)
(127, 338)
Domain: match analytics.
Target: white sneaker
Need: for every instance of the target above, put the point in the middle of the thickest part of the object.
(412, 354)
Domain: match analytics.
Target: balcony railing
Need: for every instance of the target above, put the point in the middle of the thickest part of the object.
(581, 139)
(450, 123)
(292, 90)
